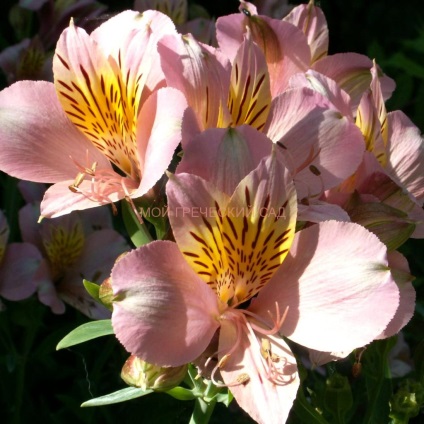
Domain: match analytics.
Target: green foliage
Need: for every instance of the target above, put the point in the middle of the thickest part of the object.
(89, 331)
(122, 395)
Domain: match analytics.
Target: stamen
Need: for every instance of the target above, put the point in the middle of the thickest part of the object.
(277, 321)
(104, 183)
(223, 360)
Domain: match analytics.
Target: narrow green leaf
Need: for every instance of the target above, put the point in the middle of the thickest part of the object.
(120, 396)
(181, 393)
(92, 289)
(88, 331)
(138, 232)
(377, 378)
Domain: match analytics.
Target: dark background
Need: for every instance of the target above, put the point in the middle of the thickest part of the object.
(40, 385)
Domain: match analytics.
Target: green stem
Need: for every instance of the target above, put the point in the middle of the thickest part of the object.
(202, 411)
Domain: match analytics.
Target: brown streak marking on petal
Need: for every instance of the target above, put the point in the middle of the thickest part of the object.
(64, 63)
(228, 238)
(198, 238)
(258, 86)
(243, 99)
(278, 254)
(283, 234)
(81, 93)
(63, 84)
(201, 264)
(77, 109)
(260, 221)
(193, 255)
(209, 227)
(83, 127)
(207, 105)
(233, 229)
(75, 116)
(257, 116)
(247, 197)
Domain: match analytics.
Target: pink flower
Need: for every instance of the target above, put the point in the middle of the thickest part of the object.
(19, 263)
(80, 245)
(386, 191)
(105, 109)
(321, 147)
(239, 269)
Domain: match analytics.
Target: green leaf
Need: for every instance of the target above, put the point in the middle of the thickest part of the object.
(88, 331)
(92, 289)
(377, 378)
(137, 231)
(305, 412)
(338, 397)
(120, 396)
(181, 393)
(225, 398)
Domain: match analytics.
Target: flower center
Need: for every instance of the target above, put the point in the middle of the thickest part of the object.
(106, 186)
(63, 244)
(266, 345)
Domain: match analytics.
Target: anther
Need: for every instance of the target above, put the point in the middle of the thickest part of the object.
(223, 361)
(243, 378)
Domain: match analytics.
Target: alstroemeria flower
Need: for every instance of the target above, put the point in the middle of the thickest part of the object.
(385, 194)
(72, 247)
(289, 51)
(321, 147)
(98, 133)
(19, 263)
(318, 287)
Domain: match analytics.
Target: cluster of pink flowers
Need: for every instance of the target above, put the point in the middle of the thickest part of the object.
(264, 122)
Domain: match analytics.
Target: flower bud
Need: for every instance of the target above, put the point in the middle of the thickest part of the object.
(139, 373)
(106, 293)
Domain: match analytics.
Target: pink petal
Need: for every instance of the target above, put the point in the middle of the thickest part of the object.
(225, 156)
(352, 72)
(60, 200)
(263, 400)
(157, 138)
(322, 147)
(163, 312)
(325, 86)
(133, 37)
(203, 29)
(101, 248)
(37, 140)
(31, 192)
(250, 95)
(321, 211)
(403, 279)
(46, 290)
(319, 358)
(201, 73)
(194, 207)
(406, 154)
(28, 224)
(311, 20)
(17, 270)
(332, 280)
(217, 235)
(285, 46)
(90, 88)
